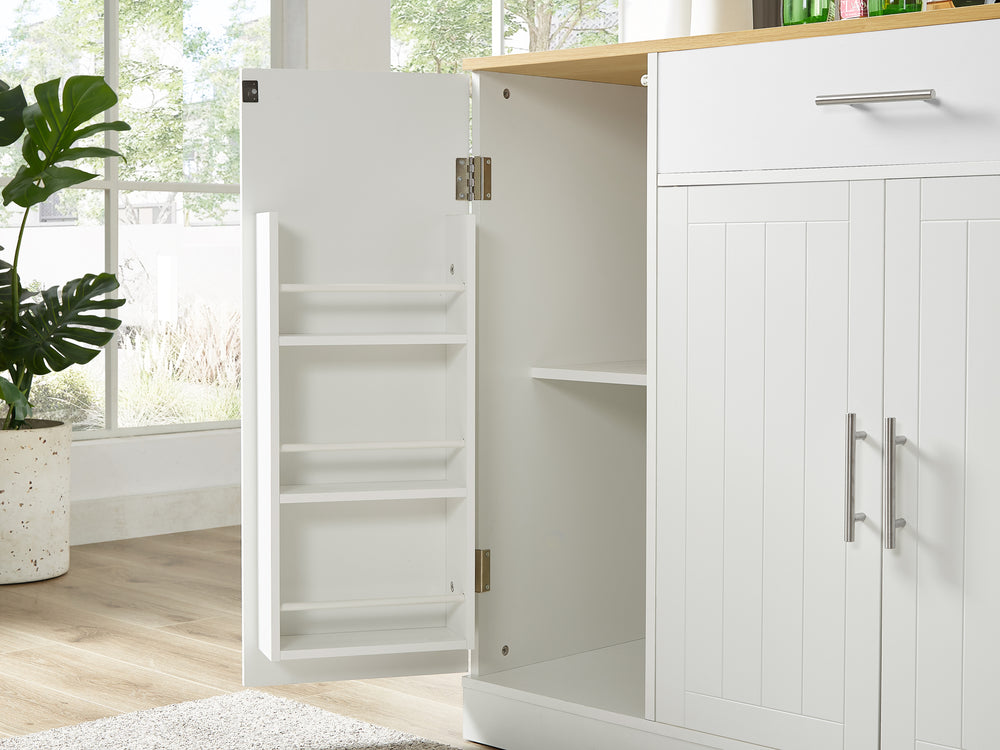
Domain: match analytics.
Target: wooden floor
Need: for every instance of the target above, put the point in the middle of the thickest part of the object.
(148, 622)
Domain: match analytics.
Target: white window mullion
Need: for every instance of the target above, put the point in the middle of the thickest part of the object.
(111, 75)
(498, 27)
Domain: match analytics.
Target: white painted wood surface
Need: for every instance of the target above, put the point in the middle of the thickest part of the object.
(613, 373)
(939, 664)
(671, 454)
(268, 512)
(756, 512)
(862, 671)
(770, 88)
(571, 678)
(744, 469)
(561, 280)
(363, 398)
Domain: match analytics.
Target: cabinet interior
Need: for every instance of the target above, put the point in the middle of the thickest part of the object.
(561, 389)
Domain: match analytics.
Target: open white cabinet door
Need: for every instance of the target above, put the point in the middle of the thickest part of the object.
(358, 356)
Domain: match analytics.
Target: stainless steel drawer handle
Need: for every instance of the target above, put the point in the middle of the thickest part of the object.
(889, 521)
(852, 435)
(917, 95)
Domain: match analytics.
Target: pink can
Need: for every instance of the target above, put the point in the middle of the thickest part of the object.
(853, 8)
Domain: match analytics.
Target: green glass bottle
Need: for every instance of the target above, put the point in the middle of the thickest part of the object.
(889, 7)
(803, 11)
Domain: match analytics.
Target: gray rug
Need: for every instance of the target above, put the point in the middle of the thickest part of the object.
(249, 720)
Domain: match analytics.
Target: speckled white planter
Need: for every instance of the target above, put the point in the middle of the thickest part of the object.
(34, 502)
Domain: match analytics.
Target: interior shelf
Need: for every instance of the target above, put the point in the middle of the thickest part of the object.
(454, 288)
(389, 446)
(616, 373)
(382, 339)
(365, 491)
(611, 679)
(396, 601)
(372, 642)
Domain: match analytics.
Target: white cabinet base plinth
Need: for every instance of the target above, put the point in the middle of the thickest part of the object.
(515, 719)
(34, 502)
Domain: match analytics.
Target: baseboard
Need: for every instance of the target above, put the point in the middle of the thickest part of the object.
(518, 720)
(107, 519)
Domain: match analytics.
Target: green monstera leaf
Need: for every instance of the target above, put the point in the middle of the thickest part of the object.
(57, 331)
(6, 306)
(20, 407)
(12, 106)
(53, 127)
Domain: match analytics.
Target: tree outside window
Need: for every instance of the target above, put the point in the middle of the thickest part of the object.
(433, 36)
(166, 220)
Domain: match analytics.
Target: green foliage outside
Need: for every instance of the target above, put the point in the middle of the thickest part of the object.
(437, 34)
(177, 83)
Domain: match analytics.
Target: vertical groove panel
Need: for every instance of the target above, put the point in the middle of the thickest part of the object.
(783, 465)
(861, 619)
(941, 482)
(671, 436)
(743, 533)
(900, 396)
(706, 426)
(981, 720)
(826, 404)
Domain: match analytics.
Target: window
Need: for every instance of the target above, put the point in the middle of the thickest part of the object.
(166, 220)
(433, 36)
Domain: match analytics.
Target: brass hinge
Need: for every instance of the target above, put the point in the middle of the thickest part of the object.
(482, 571)
(473, 178)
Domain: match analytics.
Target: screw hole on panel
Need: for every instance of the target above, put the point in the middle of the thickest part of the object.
(505, 650)
(506, 93)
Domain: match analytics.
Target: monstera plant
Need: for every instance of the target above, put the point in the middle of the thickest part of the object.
(63, 326)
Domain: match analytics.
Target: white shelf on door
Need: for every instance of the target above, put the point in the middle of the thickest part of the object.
(367, 491)
(616, 373)
(367, 643)
(392, 601)
(379, 339)
(453, 288)
(387, 446)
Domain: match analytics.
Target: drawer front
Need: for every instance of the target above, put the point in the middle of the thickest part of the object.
(753, 107)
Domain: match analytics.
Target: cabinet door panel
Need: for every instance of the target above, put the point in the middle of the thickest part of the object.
(940, 593)
(753, 508)
(358, 431)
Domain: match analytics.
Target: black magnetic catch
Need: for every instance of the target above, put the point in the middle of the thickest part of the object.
(251, 91)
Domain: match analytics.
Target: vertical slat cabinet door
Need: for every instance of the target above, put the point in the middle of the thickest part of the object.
(941, 613)
(763, 349)
(359, 377)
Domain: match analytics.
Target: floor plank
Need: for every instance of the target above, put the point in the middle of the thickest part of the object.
(27, 707)
(108, 682)
(224, 631)
(93, 592)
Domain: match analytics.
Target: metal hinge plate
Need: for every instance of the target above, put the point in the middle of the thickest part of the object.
(482, 571)
(473, 178)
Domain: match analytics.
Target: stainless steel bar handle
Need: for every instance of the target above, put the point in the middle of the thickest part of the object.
(873, 97)
(889, 521)
(852, 435)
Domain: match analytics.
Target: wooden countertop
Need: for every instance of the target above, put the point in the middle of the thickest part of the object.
(626, 63)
